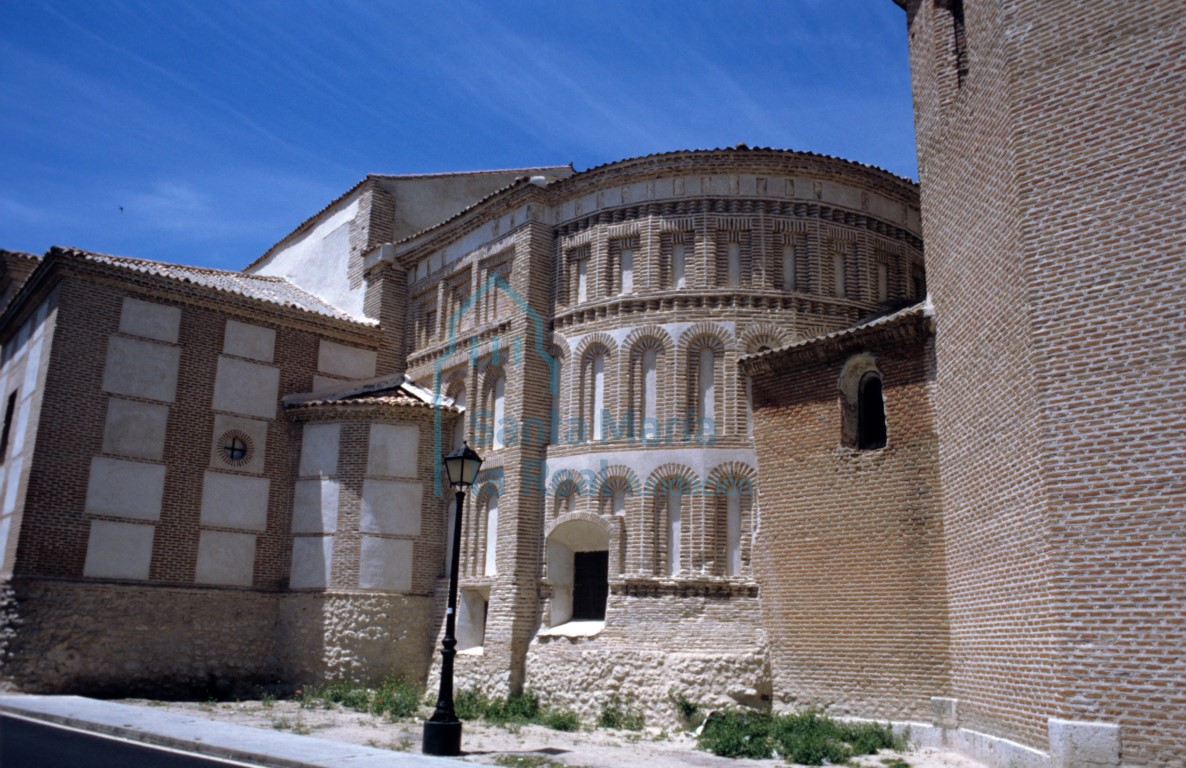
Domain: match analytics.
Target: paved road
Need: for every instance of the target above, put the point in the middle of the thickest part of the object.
(26, 743)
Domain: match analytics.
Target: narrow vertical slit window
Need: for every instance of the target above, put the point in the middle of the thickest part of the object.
(706, 395)
(627, 269)
(582, 280)
(675, 499)
(9, 408)
(788, 267)
(871, 431)
(649, 412)
(679, 256)
(838, 275)
(491, 566)
(733, 272)
(882, 283)
(733, 532)
(598, 396)
(500, 387)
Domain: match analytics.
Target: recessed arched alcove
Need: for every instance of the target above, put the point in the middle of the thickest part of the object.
(578, 569)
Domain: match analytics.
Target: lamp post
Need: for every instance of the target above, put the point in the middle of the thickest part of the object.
(442, 731)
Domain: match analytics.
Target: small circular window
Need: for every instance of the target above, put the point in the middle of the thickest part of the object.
(235, 447)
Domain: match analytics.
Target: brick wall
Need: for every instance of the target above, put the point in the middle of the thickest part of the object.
(850, 565)
(1058, 283)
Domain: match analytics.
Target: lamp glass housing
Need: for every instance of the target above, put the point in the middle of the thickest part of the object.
(462, 466)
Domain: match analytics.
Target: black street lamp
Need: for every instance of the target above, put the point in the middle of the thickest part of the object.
(442, 731)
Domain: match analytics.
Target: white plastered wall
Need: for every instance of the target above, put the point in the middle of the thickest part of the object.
(127, 480)
(23, 371)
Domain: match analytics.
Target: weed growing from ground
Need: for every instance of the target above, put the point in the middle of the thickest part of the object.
(395, 697)
(527, 761)
(513, 711)
(808, 737)
(619, 714)
(686, 710)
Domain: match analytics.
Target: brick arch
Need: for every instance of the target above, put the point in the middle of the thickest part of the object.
(722, 554)
(704, 330)
(619, 476)
(648, 333)
(593, 340)
(588, 517)
(721, 342)
(761, 335)
(729, 474)
(663, 476)
(563, 476)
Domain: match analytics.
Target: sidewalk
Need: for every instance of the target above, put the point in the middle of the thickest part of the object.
(209, 737)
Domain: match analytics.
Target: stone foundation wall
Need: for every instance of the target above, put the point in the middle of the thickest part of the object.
(354, 636)
(100, 639)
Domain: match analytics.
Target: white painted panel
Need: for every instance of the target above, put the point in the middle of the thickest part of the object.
(315, 506)
(141, 368)
(226, 558)
(12, 484)
(125, 488)
(331, 383)
(393, 450)
(150, 320)
(340, 360)
(135, 429)
(312, 557)
(390, 506)
(246, 388)
(118, 550)
(319, 450)
(5, 559)
(385, 564)
(235, 501)
(33, 365)
(246, 340)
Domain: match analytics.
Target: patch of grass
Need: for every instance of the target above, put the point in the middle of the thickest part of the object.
(621, 715)
(267, 701)
(894, 762)
(512, 711)
(297, 725)
(562, 720)
(527, 761)
(395, 697)
(808, 737)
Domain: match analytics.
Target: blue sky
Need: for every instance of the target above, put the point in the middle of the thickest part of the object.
(219, 126)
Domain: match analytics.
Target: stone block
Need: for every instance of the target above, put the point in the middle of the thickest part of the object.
(319, 449)
(118, 550)
(244, 340)
(150, 320)
(226, 558)
(125, 488)
(141, 369)
(385, 564)
(135, 429)
(312, 558)
(235, 501)
(315, 506)
(945, 712)
(391, 506)
(393, 450)
(349, 362)
(246, 388)
(1076, 744)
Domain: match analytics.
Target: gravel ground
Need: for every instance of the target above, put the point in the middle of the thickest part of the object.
(528, 746)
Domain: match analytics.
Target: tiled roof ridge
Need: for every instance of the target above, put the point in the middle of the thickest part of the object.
(920, 309)
(746, 148)
(21, 254)
(576, 176)
(189, 274)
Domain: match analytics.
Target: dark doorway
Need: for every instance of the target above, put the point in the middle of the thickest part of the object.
(590, 586)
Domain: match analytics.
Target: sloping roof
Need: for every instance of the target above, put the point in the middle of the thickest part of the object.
(308, 223)
(273, 290)
(384, 390)
(914, 317)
